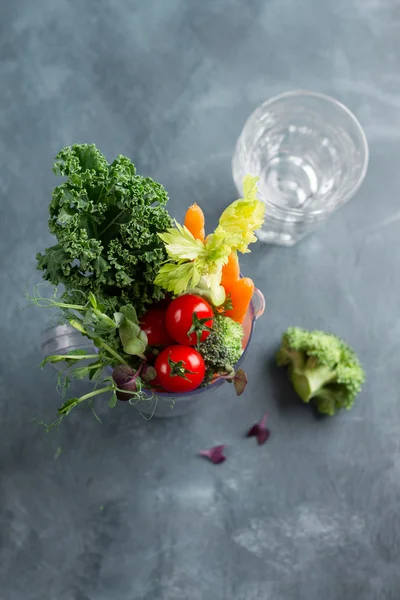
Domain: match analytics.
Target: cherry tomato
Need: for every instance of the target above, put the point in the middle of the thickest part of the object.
(156, 383)
(189, 313)
(180, 368)
(153, 323)
(162, 304)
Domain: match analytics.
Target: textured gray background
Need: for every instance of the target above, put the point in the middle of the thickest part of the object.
(127, 511)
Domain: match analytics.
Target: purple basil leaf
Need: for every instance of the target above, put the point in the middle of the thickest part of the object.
(262, 436)
(260, 431)
(253, 431)
(215, 454)
(125, 379)
(240, 381)
(123, 375)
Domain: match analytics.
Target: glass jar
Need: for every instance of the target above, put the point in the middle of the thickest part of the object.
(61, 339)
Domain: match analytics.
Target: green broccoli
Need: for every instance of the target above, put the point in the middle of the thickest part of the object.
(322, 367)
(223, 347)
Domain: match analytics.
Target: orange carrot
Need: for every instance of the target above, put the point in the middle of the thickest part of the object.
(230, 271)
(241, 292)
(194, 221)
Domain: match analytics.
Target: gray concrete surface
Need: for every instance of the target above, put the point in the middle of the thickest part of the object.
(127, 511)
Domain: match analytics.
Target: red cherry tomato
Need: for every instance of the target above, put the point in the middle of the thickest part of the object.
(180, 368)
(162, 304)
(153, 323)
(187, 312)
(155, 385)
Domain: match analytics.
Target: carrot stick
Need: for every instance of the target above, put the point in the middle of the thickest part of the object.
(230, 271)
(241, 292)
(194, 221)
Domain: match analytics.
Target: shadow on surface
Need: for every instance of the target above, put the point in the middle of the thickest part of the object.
(285, 398)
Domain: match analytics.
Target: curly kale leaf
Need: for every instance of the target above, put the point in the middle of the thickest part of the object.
(106, 219)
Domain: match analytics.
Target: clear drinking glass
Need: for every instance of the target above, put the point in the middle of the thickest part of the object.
(311, 156)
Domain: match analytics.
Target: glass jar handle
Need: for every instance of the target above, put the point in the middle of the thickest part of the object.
(258, 301)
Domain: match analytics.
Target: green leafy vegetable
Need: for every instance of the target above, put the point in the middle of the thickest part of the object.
(195, 263)
(322, 367)
(70, 356)
(119, 341)
(243, 217)
(106, 219)
(100, 328)
(134, 340)
(113, 400)
(178, 277)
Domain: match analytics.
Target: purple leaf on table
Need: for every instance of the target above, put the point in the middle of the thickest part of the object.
(214, 454)
(260, 431)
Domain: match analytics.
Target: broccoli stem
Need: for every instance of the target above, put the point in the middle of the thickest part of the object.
(308, 382)
(326, 401)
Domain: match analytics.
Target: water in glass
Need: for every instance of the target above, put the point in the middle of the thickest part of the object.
(310, 154)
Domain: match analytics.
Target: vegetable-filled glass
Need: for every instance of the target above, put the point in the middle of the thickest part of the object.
(63, 338)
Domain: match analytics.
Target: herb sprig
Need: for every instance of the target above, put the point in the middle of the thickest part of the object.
(118, 341)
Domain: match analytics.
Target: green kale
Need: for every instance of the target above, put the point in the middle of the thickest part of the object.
(106, 219)
(223, 347)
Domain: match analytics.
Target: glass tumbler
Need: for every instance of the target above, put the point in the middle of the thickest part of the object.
(311, 156)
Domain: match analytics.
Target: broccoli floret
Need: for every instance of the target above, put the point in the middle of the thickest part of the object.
(322, 367)
(223, 347)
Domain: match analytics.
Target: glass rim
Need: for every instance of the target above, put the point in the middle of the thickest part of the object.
(345, 110)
